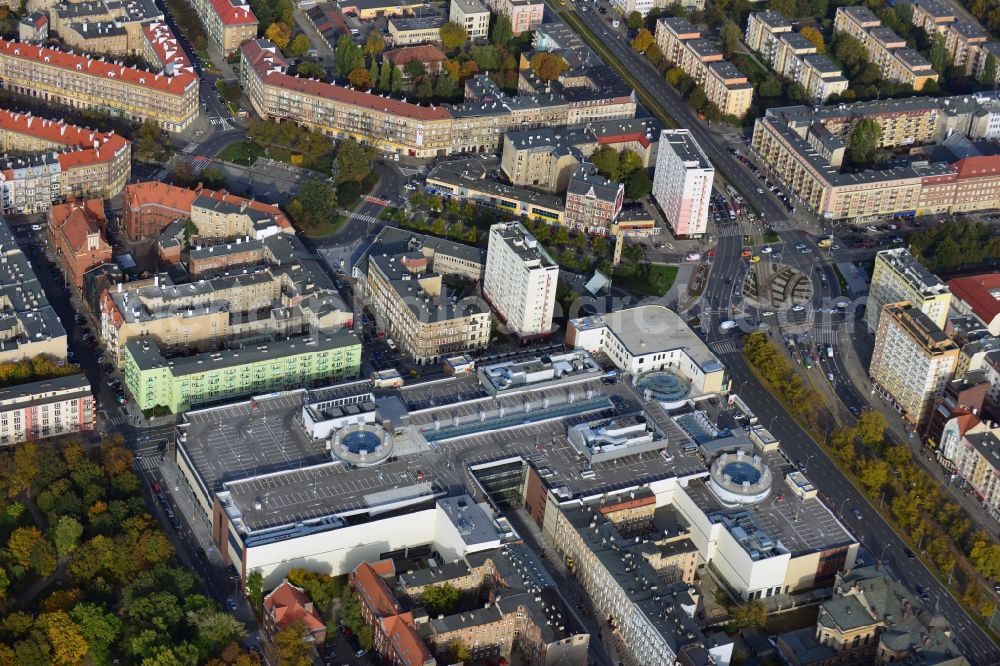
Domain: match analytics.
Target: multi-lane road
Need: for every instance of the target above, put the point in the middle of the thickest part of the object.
(877, 536)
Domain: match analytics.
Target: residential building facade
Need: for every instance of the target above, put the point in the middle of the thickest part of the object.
(885, 48)
(77, 230)
(593, 202)
(57, 161)
(725, 86)
(806, 147)
(912, 361)
(47, 408)
(971, 449)
(520, 280)
(682, 183)
(472, 15)
(898, 276)
(82, 82)
(229, 23)
(406, 128)
(181, 383)
(523, 14)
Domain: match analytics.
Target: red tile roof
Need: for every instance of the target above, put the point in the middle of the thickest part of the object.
(268, 65)
(426, 53)
(624, 138)
(966, 420)
(181, 198)
(93, 147)
(173, 85)
(288, 604)
(76, 221)
(409, 649)
(975, 290)
(372, 589)
(164, 43)
(233, 14)
(978, 166)
(358, 98)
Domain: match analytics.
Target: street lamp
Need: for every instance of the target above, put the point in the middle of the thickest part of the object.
(805, 467)
(841, 510)
(884, 548)
(770, 427)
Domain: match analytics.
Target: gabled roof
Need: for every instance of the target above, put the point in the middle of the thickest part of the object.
(374, 592)
(409, 649)
(173, 85)
(233, 12)
(288, 604)
(975, 290)
(91, 147)
(76, 221)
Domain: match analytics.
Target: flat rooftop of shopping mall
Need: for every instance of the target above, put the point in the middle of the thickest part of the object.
(352, 452)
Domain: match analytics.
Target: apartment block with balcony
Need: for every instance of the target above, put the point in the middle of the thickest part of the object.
(912, 361)
(724, 85)
(898, 276)
(520, 280)
(763, 32)
(229, 23)
(56, 160)
(47, 408)
(793, 56)
(472, 15)
(886, 49)
(82, 82)
(806, 147)
(155, 380)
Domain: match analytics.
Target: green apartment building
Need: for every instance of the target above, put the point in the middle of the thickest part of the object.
(185, 382)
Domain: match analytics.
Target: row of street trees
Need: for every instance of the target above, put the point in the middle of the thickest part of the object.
(891, 477)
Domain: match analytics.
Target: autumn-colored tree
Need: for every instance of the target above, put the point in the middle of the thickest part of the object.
(548, 66)
(374, 45)
(360, 78)
(289, 647)
(299, 46)
(279, 33)
(453, 37)
(68, 643)
(22, 543)
(62, 600)
(24, 469)
(117, 460)
(642, 40)
(66, 535)
(814, 36)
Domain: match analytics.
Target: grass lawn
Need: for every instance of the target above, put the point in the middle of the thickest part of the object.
(241, 152)
(771, 237)
(387, 213)
(326, 228)
(749, 66)
(657, 283)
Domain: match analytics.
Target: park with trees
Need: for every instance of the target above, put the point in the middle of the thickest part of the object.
(87, 575)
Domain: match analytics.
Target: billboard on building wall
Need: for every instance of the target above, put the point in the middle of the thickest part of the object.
(420, 135)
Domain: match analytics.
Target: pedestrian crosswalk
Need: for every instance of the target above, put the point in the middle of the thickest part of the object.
(365, 217)
(376, 200)
(116, 421)
(220, 122)
(783, 225)
(730, 230)
(725, 347)
(147, 463)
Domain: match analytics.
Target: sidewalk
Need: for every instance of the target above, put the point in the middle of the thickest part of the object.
(857, 363)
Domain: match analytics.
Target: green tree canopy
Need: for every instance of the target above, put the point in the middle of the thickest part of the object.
(453, 37)
(864, 141)
(502, 31)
